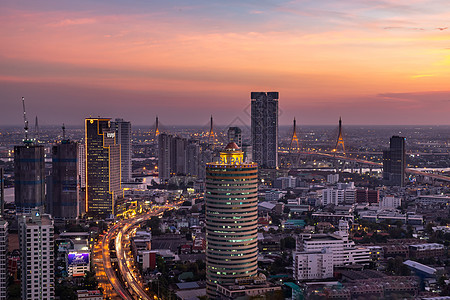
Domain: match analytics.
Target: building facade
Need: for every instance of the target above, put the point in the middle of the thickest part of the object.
(123, 138)
(29, 177)
(394, 162)
(3, 259)
(231, 219)
(264, 127)
(64, 188)
(313, 265)
(235, 136)
(344, 250)
(36, 239)
(102, 168)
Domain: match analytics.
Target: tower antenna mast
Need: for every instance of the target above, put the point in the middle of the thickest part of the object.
(25, 119)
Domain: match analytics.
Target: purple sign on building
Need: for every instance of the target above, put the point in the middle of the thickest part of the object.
(75, 259)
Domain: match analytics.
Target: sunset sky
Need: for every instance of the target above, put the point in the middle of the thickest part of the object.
(371, 62)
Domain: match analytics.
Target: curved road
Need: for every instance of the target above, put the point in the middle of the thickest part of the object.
(115, 282)
(124, 261)
(119, 233)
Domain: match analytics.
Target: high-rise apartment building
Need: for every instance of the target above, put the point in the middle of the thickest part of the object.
(36, 239)
(264, 119)
(231, 219)
(102, 168)
(123, 138)
(164, 156)
(29, 177)
(3, 260)
(394, 162)
(235, 136)
(64, 187)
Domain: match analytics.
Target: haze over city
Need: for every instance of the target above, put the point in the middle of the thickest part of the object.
(371, 62)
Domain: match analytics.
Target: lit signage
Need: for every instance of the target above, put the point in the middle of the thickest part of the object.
(77, 259)
(231, 158)
(111, 134)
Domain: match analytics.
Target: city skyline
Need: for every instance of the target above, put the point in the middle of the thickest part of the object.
(371, 62)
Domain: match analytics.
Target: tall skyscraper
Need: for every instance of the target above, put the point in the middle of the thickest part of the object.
(394, 162)
(102, 168)
(3, 260)
(123, 138)
(164, 156)
(235, 135)
(64, 187)
(36, 238)
(29, 177)
(264, 108)
(231, 219)
(192, 158)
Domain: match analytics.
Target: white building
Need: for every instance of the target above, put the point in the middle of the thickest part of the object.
(89, 295)
(333, 178)
(78, 263)
(390, 202)
(274, 195)
(3, 262)
(285, 182)
(123, 138)
(332, 196)
(313, 265)
(344, 251)
(36, 239)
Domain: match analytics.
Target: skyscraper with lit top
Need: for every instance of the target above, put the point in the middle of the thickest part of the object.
(231, 219)
(102, 168)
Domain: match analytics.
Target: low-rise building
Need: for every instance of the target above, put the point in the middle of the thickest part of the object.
(89, 295)
(313, 265)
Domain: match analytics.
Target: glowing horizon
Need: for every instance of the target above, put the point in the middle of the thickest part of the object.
(371, 62)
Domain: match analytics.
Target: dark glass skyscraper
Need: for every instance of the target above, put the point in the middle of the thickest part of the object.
(264, 111)
(64, 188)
(102, 168)
(29, 177)
(394, 162)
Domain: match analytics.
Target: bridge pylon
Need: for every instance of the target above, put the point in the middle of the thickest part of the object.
(212, 135)
(340, 139)
(294, 147)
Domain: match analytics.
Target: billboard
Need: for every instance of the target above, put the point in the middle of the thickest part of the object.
(76, 259)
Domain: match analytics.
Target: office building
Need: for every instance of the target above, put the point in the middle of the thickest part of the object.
(235, 136)
(231, 219)
(394, 162)
(102, 168)
(164, 156)
(313, 265)
(123, 138)
(344, 250)
(192, 159)
(29, 177)
(390, 202)
(64, 192)
(3, 260)
(264, 118)
(36, 238)
(178, 155)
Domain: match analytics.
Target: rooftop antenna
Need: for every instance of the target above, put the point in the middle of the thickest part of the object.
(25, 121)
(36, 129)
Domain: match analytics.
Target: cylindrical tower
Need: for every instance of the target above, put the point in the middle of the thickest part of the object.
(231, 219)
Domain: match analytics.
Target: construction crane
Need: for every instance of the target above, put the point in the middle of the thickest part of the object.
(25, 120)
